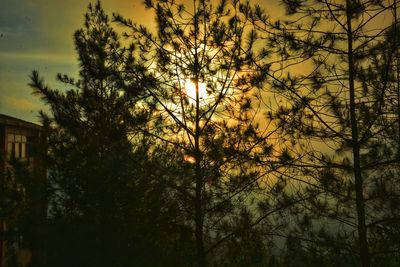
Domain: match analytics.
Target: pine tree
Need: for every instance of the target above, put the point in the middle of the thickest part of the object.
(334, 82)
(106, 207)
(199, 76)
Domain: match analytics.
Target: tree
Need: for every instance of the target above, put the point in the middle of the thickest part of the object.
(10, 196)
(335, 111)
(384, 229)
(23, 206)
(106, 206)
(198, 73)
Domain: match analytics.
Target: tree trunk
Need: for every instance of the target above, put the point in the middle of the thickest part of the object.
(360, 203)
(199, 217)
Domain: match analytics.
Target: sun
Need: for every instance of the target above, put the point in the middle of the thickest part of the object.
(190, 89)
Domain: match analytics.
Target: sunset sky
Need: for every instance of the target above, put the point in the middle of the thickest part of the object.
(37, 35)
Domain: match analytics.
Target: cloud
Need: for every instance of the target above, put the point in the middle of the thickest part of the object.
(37, 56)
(19, 103)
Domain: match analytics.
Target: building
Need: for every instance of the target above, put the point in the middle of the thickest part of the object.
(18, 139)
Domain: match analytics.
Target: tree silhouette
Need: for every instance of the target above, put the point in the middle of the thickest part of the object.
(334, 79)
(106, 207)
(160, 153)
(199, 76)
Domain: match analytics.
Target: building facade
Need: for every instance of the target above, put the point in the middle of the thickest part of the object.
(19, 140)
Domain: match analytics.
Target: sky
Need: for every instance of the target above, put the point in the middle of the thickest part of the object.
(38, 35)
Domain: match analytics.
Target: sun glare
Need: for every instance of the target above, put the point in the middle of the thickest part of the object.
(190, 88)
(190, 159)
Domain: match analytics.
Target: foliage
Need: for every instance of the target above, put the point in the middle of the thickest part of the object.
(207, 48)
(106, 207)
(333, 74)
(223, 137)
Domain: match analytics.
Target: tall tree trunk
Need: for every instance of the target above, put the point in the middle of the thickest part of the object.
(360, 202)
(199, 216)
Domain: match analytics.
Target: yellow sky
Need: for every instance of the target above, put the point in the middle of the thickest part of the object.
(37, 35)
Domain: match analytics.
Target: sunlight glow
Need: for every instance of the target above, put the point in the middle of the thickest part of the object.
(190, 88)
(190, 159)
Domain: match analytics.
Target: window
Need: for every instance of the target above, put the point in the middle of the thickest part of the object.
(16, 146)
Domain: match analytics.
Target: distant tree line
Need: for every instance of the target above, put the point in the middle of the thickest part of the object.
(222, 137)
